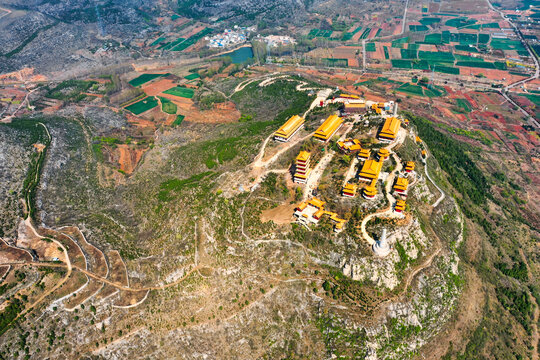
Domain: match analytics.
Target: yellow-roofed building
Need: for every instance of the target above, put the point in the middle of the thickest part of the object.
(370, 170)
(302, 206)
(328, 128)
(418, 140)
(383, 154)
(289, 129)
(353, 108)
(316, 203)
(349, 190)
(349, 145)
(363, 154)
(390, 129)
(401, 185)
(369, 192)
(400, 206)
(349, 96)
(409, 167)
(302, 169)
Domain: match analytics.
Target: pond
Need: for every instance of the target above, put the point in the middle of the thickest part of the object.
(241, 55)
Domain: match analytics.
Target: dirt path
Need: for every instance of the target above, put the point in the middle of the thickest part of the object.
(441, 198)
(58, 284)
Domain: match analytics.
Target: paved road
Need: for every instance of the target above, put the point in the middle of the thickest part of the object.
(536, 75)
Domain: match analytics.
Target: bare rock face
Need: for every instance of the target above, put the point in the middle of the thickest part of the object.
(14, 158)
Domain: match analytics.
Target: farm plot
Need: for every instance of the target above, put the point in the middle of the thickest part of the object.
(418, 28)
(464, 104)
(460, 22)
(180, 92)
(398, 43)
(349, 35)
(178, 120)
(192, 76)
(320, 33)
(435, 39)
(143, 105)
(477, 64)
(157, 41)
(430, 21)
(467, 48)
(402, 64)
(167, 106)
(411, 89)
(174, 43)
(505, 44)
(440, 56)
(144, 78)
(445, 69)
(365, 33)
(191, 40)
(371, 47)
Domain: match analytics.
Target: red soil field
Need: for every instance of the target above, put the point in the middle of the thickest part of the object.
(156, 87)
(128, 158)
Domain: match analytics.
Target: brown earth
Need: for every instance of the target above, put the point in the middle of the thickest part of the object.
(154, 88)
(44, 250)
(10, 254)
(95, 258)
(129, 157)
(280, 215)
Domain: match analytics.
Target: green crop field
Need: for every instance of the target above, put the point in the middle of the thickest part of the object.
(157, 41)
(348, 35)
(483, 38)
(192, 76)
(144, 78)
(418, 28)
(420, 65)
(365, 33)
(430, 21)
(143, 105)
(464, 104)
(468, 58)
(408, 54)
(174, 43)
(411, 89)
(191, 40)
(386, 53)
(336, 62)
(467, 39)
(402, 64)
(445, 69)
(435, 39)
(398, 43)
(178, 120)
(436, 56)
(319, 33)
(505, 44)
(476, 64)
(467, 48)
(535, 99)
(371, 47)
(433, 92)
(460, 22)
(167, 106)
(181, 92)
